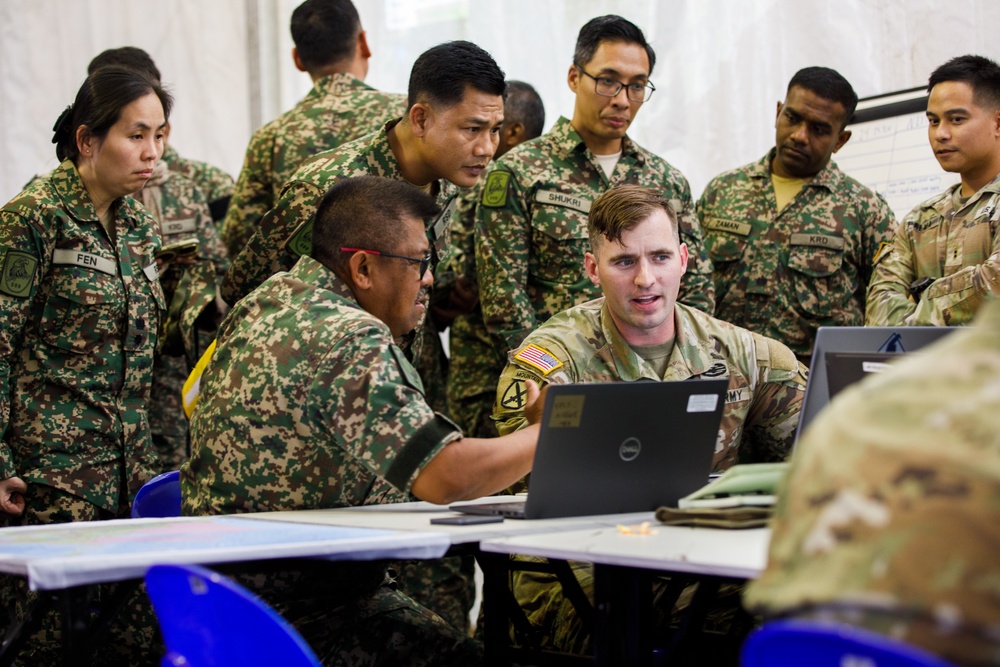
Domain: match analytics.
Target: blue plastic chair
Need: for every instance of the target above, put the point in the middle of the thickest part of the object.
(208, 620)
(159, 497)
(793, 643)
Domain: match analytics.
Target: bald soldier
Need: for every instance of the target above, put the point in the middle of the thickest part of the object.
(309, 403)
(638, 332)
(889, 518)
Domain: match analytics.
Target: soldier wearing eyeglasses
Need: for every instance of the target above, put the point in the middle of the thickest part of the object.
(531, 220)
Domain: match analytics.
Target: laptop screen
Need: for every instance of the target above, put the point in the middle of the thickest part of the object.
(878, 343)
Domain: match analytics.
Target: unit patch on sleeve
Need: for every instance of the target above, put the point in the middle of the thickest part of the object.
(495, 190)
(18, 273)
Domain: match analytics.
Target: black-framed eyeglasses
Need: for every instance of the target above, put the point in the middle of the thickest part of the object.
(424, 262)
(605, 86)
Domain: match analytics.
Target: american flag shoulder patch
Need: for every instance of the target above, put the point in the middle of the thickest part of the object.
(539, 358)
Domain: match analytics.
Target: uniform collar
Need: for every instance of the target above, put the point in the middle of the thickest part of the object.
(309, 271)
(569, 141)
(829, 177)
(340, 83)
(942, 203)
(76, 200)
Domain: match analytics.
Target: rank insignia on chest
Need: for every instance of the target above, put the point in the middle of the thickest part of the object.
(539, 358)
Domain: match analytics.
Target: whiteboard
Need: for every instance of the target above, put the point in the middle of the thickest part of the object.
(889, 152)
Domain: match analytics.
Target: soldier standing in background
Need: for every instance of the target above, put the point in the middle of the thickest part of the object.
(332, 47)
(792, 238)
(945, 260)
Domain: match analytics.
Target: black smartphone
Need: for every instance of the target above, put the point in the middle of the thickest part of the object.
(467, 519)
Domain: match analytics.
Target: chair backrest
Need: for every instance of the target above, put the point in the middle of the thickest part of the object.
(159, 497)
(208, 620)
(793, 643)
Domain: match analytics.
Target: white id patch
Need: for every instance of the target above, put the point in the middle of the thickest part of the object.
(702, 402)
(152, 271)
(178, 226)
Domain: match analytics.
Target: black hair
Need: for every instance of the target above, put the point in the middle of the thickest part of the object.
(99, 104)
(828, 84)
(126, 56)
(364, 212)
(325, 31)
(442, 73)
(979, 72)
(610, 28)
(524, 105)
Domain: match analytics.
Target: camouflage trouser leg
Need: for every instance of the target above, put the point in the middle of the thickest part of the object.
(166, 414)
(133, 636)
(446, 586)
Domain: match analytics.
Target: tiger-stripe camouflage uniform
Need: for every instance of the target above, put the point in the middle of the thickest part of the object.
(181, 213)
(214, 183)
(786, 273)
(582, 344)
(360, 434)
(285, 232)
(889, 518)
(80, 313)
(531, 228)
(951, 245)
(339, 108)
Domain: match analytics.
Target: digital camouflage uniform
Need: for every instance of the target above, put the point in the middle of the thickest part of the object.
(360, 433)
(531, 229)
(953, 244)
(338, 109)
(582, 344)
(79, 317)
(785, 273)
(285, 232)
(474, 364)
(214, 183)
(181, 213)
(890, 515)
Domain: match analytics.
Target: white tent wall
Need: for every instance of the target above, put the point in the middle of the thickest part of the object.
(721, 64)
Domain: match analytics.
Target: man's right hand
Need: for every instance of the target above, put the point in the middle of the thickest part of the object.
(12, 492)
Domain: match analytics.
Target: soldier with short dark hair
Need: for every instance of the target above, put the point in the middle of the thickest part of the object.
(944, 261)
(309, 403)
(792, 238)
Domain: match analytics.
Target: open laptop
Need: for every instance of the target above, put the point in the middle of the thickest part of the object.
(609, 448)
(872, 345)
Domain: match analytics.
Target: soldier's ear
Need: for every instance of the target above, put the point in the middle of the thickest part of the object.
(361, 266)
(419, 115)
(590, 263)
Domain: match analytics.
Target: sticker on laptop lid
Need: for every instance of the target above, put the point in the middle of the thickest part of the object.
(702, 402)
(567, 411)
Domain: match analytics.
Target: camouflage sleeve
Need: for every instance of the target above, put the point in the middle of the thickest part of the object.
(461, 259)
(265, 253)
(955, 299)
(372, 400)
(539, 359)
(252, 197)
(25, 260)
(878, 228)
(888, 301)
(770, 425)
(698, 286)
(502, 236)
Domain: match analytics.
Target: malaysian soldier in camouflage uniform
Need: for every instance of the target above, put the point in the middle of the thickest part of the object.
(181, 213)
(635, 332)
(531, 221)
(791, 237)
(889, 516)
(945, 259)
(215, 184)
(473, 363)
(339, 419)
(331, 46)
(80, 304)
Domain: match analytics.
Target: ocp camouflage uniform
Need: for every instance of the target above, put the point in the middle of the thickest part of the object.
(214, 183)
(181, 213)
(474, 364)
(79, 314)
(339, 108)
(786, 273)
(360, 433)
(582, 344)
(531, 229)
(889, 518)
(956, 246)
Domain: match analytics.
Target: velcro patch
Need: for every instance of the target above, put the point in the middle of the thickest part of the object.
(883, 251)
(731, 226)
(87, 260)
(818, 241)
(515, 397)
(178, 226)
(539, 358)
(554, 198)
(18, 273)
(495, 190)
(301, 241)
